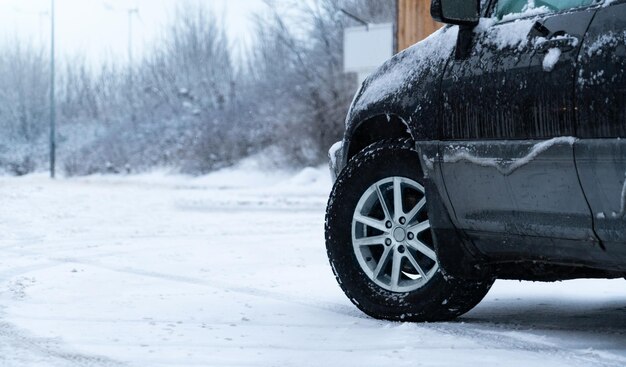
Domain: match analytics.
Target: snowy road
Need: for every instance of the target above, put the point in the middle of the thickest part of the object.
(172, 271)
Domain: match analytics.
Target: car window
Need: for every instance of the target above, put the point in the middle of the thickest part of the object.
(508, 9)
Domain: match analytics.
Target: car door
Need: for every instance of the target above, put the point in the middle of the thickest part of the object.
(601, 98)
(509, 121)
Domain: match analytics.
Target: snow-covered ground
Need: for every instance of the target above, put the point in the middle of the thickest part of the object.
(230, 270)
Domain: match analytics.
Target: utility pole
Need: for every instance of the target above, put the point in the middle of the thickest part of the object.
(131, 13)
(131, 69)
(43, 16)
(52, 96)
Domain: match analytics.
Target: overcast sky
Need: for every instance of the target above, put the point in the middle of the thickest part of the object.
(99, 28)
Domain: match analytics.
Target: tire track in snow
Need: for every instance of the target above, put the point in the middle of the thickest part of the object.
(22, 244)
(18, 349)
(45, 263)
(14, 272)
(343, 310)
(496, 337)
(492, 336)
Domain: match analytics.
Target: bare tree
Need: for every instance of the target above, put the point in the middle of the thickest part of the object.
(188, 105)
(302, 68)
(23, 73)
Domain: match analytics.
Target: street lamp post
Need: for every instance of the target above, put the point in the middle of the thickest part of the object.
(131, 71)
(52, 96)
(131, 12)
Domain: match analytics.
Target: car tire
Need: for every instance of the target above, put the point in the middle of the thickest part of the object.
(367, 273)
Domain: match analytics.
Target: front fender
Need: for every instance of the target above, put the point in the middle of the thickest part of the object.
(407, 86)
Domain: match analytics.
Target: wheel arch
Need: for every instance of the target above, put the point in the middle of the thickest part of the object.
(375, 129)
(444, 299)
(458, 256)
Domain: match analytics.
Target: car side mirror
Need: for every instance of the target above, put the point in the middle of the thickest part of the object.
(459, 12)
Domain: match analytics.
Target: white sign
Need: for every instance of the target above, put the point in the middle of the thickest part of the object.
(366, 48)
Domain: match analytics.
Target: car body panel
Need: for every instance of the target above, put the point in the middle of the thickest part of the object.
(517, 187)
(496, 99)
(602, 167)
(601, 96)
(407, 87)
(601, 77)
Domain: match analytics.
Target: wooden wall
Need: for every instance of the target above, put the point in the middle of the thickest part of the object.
(414, 22)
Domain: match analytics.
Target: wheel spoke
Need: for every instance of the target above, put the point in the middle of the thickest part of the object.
(381, 264)
(417, 267)
(383, 203)
(396, 269)
(371, 222)
(397, 198)
(422, 248)
(420, 227)
(382, 209)
(418, 207)
(369, 241)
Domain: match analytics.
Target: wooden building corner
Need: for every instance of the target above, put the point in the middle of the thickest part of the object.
(414, 22)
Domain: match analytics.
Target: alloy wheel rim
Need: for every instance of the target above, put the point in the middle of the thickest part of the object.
(391, 235)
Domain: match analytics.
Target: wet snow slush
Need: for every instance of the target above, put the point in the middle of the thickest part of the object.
(230, 270)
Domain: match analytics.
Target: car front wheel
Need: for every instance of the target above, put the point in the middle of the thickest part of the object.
(380, 244)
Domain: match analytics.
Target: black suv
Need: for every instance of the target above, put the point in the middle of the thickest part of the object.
(490, 150)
